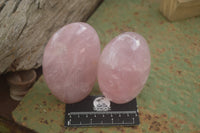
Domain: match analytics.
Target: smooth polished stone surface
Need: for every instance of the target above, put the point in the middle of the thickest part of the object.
(70, 62)
(124, 67)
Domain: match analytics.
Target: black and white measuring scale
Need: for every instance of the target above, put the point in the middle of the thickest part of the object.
(99, 111)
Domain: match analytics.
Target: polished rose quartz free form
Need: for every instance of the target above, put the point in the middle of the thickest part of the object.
(70, 62)
(124, 67)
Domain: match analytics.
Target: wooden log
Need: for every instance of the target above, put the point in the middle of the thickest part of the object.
(26, 26)
(180, 9)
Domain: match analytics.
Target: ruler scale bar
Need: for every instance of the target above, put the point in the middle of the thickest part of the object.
(99, 111)
(102, 123)
(103, 112)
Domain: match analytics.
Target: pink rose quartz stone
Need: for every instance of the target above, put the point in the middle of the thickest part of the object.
(124, 67)
(70, 62)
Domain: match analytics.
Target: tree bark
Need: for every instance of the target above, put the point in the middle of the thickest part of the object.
(26, 26)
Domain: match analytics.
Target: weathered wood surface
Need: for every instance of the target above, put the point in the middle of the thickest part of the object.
(26, 26)
(180, 9)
